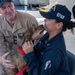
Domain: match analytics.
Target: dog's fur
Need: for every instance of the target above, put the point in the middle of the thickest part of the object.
(34, 34)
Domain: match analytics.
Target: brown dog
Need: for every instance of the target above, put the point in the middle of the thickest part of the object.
(34, 34)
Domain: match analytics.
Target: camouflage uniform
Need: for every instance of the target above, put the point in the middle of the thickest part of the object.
(9, 36)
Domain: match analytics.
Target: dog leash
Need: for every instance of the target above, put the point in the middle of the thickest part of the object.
(25, 67)
(22, 70)
(21, 51)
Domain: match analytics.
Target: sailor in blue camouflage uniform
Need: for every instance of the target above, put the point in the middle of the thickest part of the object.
(48, 56)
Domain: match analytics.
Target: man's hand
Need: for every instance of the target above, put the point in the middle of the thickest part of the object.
(27, 47)
(6, 63)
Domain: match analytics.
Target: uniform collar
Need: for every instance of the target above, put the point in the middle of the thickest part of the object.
(41, 47)
(51, 41)
(16, 26)
(55, 38)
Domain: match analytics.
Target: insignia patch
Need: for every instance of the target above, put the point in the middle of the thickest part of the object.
(20, 35)
(15, 39)
(47, 65)
(53, 8)
(60, 16)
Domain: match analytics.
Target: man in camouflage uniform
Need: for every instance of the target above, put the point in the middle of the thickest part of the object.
(12, 26)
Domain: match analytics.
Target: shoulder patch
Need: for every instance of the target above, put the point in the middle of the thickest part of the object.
(47, 65)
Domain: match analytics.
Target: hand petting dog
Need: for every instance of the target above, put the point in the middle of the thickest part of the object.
(5, 62)
(28, 47)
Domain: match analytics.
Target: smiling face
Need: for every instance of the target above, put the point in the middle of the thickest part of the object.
(53, 27)
(50, 25)
(8, 10)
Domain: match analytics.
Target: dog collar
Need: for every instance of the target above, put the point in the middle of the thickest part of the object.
(21, 51)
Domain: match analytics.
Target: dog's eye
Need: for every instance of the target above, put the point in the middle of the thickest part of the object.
(35, 29)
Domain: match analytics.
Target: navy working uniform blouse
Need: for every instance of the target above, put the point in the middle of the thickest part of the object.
(48, 58)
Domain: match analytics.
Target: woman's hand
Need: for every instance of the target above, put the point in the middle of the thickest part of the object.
(4, 62)
(27, 47)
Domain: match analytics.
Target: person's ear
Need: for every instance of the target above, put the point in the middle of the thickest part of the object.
(59, 25)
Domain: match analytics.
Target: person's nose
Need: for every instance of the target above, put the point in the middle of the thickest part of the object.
(7, 9)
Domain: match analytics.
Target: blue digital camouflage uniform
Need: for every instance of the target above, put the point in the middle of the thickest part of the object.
(48, 58)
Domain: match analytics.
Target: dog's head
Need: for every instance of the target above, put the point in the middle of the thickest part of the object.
(34, 33)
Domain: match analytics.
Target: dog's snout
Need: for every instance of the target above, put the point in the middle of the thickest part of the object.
(41, 25)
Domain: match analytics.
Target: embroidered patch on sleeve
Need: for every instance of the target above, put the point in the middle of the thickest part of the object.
(47, 65)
